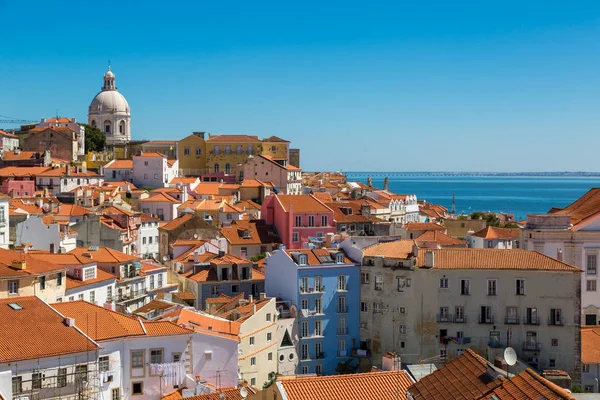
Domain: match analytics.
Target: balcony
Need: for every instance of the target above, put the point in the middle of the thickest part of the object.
(555, 321)
(361, 353)
(532, 345)
(320, 356)
(486, 319)
(342, 353)
(342, 309)
(463, 340)
(132, 295)
(512, 320)
(342, 331)
(310, 290)
(495, 344)
(320, 289)
(531, 321)
(450, 319)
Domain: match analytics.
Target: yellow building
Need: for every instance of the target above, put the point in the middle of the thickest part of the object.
(225, 152)
(22, 275)
(276, 148)
(191, 153)
(166, 147)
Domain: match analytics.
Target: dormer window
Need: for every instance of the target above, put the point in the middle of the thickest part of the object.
(339, 258)
(302, 259)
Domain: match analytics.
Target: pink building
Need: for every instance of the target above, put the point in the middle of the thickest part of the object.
(286, 177)
(298, 218)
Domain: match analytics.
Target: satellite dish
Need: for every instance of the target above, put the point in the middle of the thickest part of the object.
(510, 356)
(195, 236)
(244, 392)
(165, 258)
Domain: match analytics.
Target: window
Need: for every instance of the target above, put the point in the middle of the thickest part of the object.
(465, 287)
(490, 244)
(443, 354)
(492, 286)
(459, 314)
(227, 149)
(13, 287)
(295, 237)
(311, 220)
(269, 336)
(591, 264)
(324, 220)
(235, 288)
(156, 356)
(342, 305)
(216, 149)
(115, 394)
(304, 284)
(363, 306)
(304, 329)
(319, 369)
(214, 290)
(89, 273)
(305, 370)
(270, 356)
(378, 282)
(364, 278)
(377, 308)
(59, 277)
(443, 314)
(137, 388)
(591, 286)
(80, 296)
(144, 240)
(198, 151)
(402, 329)
(137, 359)
(81, 372)
(512, 315)
(318, 328)
(17, 384)
(268, 316)
(216, 168)
(444, 283)
(109, 293)
(176, 357)
(42, 282)
(520, 287)
(585, 368)
(532, 317)
(555, 316)
(103, 364)
(186, 151)
(552, 363)
(61, 377)
(36, 380)
(341, 330)
(92, 296)
(401, 283)
(318, 306)
(318, 283)
(304, 351)
(239, 149)
(249, 149)
(253, 361)
(251, 340)
(341, 283)
(485, 316)
(304, 304)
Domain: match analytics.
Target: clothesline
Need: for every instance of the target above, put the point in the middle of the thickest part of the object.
(171, 373)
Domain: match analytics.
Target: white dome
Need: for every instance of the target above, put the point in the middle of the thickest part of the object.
(109, 74)
(109, 101)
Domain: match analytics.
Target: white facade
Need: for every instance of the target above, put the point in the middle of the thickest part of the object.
(4, 222)
(153, 170)
(100, 293)
(118, 170)
(61, 181)
(52, 237)
(147, 239)
(109, 112)
(163, 210)
(10, 141)
(481, 243)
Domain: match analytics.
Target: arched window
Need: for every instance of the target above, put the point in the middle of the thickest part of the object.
(94, 123)
(216, 168)
(227, 168)
(107, 127)
(122, 127)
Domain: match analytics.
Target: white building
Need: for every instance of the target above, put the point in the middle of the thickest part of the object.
(4, 222)
(573, 236)
(425, 303)
(286, 177)
(61, 180)
(43, 232)
(10, 141)
(109, 112)
(147, 239)
(160, 205)
(151, 169)
(492, 237)
(118, 170)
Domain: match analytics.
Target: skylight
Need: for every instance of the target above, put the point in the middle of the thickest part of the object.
(15, 306)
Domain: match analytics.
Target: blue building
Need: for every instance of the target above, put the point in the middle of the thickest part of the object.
(324, 286)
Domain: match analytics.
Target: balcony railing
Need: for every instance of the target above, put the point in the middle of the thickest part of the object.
(342, 353)
(342, 331)
(486, 319)
(307, 290)
(320, 356)
(496, 344)
(532, 346)
(361, 353)
(134, 294)
(451, 319)
(342, 309)
(531, 321)
(555, 321)
(463, 340)
(513, 320)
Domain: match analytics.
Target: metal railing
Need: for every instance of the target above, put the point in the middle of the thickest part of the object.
(342, 331)
(532, 346)
(342, 309)
(486, 319)
(531, 320)
(514, 320)
(451, 319)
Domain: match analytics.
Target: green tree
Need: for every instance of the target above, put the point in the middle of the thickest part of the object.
(95, 140)
(272, 379)
(258, 257)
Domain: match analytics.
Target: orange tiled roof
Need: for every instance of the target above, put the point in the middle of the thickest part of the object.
(587, 206)
(103, 255)
(119, 164)
(151, 154)
(424, 226)
(101, 276)
(23, 171)
(325, 197)
(492, 232)
(177, 222)
(590, 345)
(22, 155)
(7, 134)
(231, 393)
(31, 332)
(272, 139)
(320, 256)
(303, 203)
(256, 233)
(233, 139)
(206, 323)
(159, 198)
(33, 266)
(402, 249)
(494, 259)
(527, 385)
(440, 238)
(155, 305)
(384, 385)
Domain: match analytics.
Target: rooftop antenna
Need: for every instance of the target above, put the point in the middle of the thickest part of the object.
(453, 205)
(510, 356)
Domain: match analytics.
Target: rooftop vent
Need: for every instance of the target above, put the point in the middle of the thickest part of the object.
(69, 321)
(15, 306)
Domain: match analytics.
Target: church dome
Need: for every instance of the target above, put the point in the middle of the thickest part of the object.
(109, 101)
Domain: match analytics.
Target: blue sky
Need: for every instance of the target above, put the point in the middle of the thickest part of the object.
(410, 86)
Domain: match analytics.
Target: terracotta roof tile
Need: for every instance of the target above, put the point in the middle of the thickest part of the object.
(104, 255)
(101, 276)
(119, 164)
(275, 139)
(583, 208)
(322, 256)
(457, 258)
(325, 197)
(233, 139)
(150, 154)
(424, 226)
(440, 238)
(384, 385)
(33, 265)
(402, 249)
(31, 332)
(527, 385)
(177, 222)
(302, 203)
(22, 171)
(159, 198)
(590, 345)
(250, 232)
(492, 232)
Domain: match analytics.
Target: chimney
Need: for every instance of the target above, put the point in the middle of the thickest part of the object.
(19, 264)
(73, 120)
(391, 362)
(70, 322)
(51, 206)
(250, 298)
(196, 256)
(68, 170)
(253, 308)
(262, 296)
(17, 151)
(429, 259)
